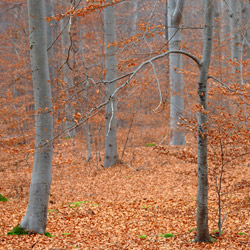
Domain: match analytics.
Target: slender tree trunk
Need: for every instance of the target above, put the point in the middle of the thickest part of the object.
(202, 189)
(35, 219)
(245, 13)
(175, 10)
(225, 35)
(67, 57)
(49, 8)
(235, 36)
(134, 18)
(87, 130)
(111, 155)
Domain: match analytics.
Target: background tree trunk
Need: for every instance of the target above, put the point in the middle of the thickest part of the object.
(134, 18)
(49, 8)
(111, 155)
(35, 219)
(202, 189)
(175, 10)
(235, 36)
(65, 27)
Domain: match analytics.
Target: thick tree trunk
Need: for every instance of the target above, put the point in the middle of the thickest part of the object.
(111, 155)
(35, 219)
(202, 189)
(175, 10)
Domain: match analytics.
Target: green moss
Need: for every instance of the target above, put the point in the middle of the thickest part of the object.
(241, 233)
(48, 234)
(144, 236)
(17, 231)
(168, 235)
(67, 137)
(192, 229)
(2, 198)
(78, 203)
(150, 145)
(217, 231)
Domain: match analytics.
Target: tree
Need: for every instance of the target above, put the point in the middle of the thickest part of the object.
(235, 36)
(35, 219)
(202, 189)
(174, 15)
(66, 39)
(49, 8)
(111, 155)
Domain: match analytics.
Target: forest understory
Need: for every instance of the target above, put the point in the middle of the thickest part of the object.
(147, 201)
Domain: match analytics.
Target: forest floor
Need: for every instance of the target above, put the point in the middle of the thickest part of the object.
(150, 194)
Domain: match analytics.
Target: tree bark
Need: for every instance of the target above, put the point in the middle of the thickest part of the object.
(175, 10)
(134, 18)
(235, 36)
(35, 219)
(49, 9)
(202, 189)
(111, 155)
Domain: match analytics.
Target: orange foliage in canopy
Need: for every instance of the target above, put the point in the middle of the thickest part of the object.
(152, 192)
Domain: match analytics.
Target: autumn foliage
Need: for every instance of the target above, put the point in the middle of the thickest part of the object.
(148, 200)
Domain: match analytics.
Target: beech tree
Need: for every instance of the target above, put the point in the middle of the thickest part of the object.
(174, 15)
(202, 189)
(111, 155)
(35, 219)
(235, 36)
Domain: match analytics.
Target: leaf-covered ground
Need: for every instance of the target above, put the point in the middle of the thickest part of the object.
(130, 206)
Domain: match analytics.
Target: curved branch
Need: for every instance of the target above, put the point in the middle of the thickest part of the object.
(97, 109)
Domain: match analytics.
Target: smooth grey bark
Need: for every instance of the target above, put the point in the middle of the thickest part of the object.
(87, 132)
(225, 27)
(111, 155)
(235, 36)
(225, 35)
(35, 219)
(245, 13)
(175, 10)
(134, 18)
(202, 189)
(49, 9)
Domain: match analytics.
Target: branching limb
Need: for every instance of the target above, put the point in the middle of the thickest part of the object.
(158, 85)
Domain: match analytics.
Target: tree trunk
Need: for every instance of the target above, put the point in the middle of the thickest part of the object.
(35, 219)
(202, 189)
(49, 8)
(111, 155)
(66, 61)
(134, 18)
(245, 13)
(235, 36)
(175, 10)
(87, 130)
